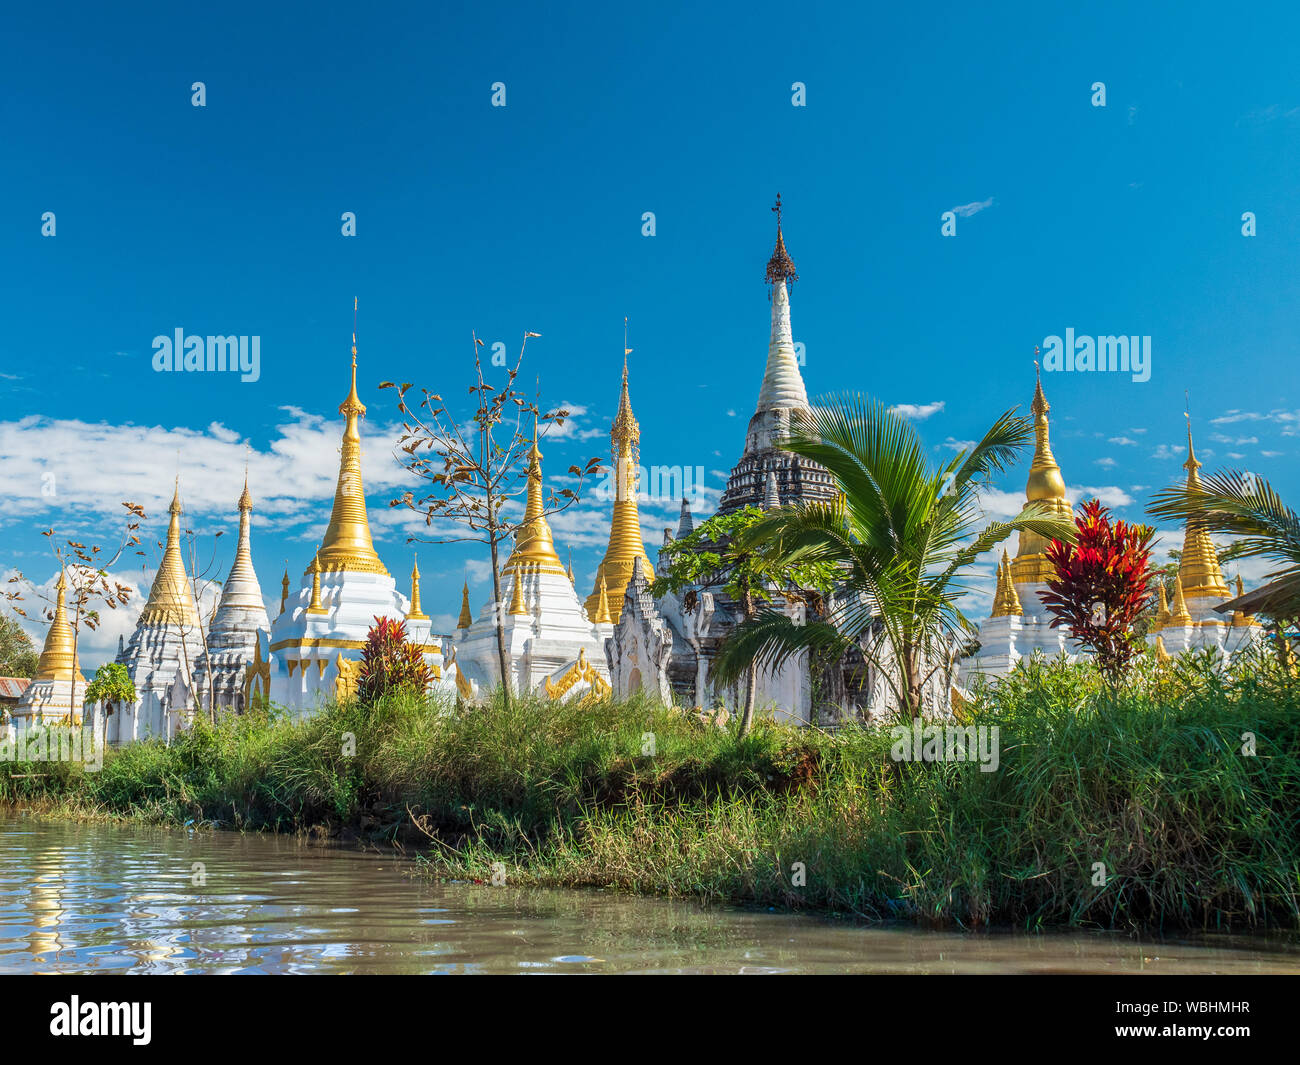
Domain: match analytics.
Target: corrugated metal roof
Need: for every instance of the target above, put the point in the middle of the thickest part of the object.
(13, 687)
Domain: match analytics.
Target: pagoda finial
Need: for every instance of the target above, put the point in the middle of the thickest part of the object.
(780, 268)
(466, 618)
(1191, 465)
(415, 613)
(314, 607)
(517, 592)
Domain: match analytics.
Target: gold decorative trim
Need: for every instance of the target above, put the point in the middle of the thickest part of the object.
(581, 670)
(307, 645)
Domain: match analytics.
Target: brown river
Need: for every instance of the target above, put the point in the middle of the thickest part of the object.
(82, 898)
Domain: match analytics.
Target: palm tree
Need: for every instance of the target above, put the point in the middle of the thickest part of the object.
(901, 534)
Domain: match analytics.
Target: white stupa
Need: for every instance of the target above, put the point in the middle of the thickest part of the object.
(315, 644)
(163, 650)
(551, 644)
(240, 616)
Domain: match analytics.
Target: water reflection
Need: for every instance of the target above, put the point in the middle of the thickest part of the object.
(83, 898)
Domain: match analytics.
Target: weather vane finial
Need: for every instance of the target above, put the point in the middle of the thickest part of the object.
(780, 267)
(354, 330)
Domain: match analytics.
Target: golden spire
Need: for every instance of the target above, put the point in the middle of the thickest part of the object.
(1045, 486)
(347, 544)
(1162, 611)
(415, 614)
(1198, 568)
(1240, 619)
(1006, 603)
(602, 604)
(466, 618)
(58, 659)
(1179, 615)
(314, 606)
(517, 591)
(171, 600)
(572, 579)
(1162, 655)
(625, 551)
(534, 542)
(284, 588)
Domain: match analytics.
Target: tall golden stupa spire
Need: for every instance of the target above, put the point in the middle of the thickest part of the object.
(534, 543)
(58, 659)
(1045, 486)
(1198, 567)
(347, 544)
(171, 600)
(626, 549)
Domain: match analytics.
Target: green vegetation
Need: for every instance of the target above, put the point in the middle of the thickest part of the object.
(1151, 781)
(901, 535)
(18, 655)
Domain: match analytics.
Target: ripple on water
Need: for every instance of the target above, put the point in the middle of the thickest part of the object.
(85, 898)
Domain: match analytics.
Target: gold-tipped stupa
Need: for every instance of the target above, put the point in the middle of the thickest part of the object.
(626, 549)
(347, 544)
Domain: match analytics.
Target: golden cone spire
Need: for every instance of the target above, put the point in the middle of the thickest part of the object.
(1046, 487)
(347, 544)
(1162, 655)
(1179, 615)
(58, 659)
(534, 542)
(517, 592)
(602, 604)
(1198, 568)
(284, 588)
(415, 614)
(314, 606)
(1240, 619)
(466, 618)
(1006, 603)
(1162, 610)
(626, 550)
(171, 600)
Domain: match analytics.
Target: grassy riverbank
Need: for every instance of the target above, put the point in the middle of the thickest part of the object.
(1151, 782)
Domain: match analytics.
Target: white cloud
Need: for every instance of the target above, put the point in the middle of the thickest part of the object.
(1110, 495)
(60, 466)
(968, 209)
(1123, 441)
(958, 445)
(918, 411)
(1106, 461)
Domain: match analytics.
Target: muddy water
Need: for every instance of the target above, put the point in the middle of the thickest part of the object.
(84, 898)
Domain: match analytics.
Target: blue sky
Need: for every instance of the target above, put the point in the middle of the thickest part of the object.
(226, 219)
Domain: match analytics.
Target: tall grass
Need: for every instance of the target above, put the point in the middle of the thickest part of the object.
(1150, 781)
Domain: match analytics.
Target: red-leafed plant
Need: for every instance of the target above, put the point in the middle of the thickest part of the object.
(1101, 585)
(389, 662)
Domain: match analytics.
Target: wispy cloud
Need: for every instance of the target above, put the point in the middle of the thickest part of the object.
(918, 411)
(968, 209)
